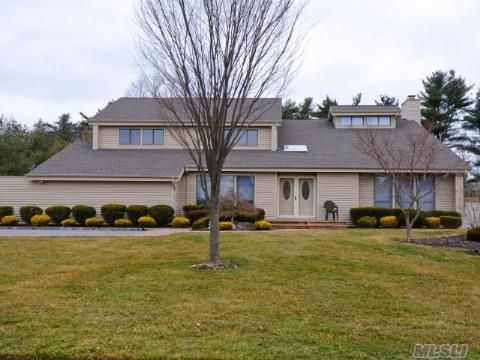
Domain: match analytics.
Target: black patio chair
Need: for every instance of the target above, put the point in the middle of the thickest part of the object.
(330, 208)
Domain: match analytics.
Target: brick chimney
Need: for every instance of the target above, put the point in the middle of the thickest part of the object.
(411, 109)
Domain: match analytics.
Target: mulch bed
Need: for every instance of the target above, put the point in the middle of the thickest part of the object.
(453, 241)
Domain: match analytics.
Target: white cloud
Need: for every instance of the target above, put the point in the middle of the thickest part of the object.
(70, 56)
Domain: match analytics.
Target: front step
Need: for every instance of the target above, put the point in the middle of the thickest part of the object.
(308, 224)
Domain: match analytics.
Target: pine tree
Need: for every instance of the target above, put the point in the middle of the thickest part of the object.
(357, 99)
(385, 100)
(289, 109)
(323, 108)
(445, 100)
(305, 109)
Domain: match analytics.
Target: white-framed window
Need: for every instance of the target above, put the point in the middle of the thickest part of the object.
(345, 121)
(384, 121)
(129, 137)
(372, 120)
(357, 121)
(153, 137)
(248, 137)
(382, 192)
(241, 185)
(426, 192)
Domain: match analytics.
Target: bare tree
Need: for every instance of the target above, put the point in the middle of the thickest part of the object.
(217, 58)
(406, 160)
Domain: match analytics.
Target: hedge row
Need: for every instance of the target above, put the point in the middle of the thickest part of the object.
(448, 219)
(196, 212)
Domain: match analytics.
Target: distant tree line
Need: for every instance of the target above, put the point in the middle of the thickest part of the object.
(23, 148)
(449, 111)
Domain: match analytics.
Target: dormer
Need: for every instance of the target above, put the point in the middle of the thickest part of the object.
(364, 116)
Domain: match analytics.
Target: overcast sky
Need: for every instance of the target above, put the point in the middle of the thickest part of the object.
(59, 56)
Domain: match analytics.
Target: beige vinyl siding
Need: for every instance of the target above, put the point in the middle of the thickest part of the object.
(445, 193)
(191, 189)
(180, 195)
(366, 190)
(266, 193)
(459, 193)
(20, 191)
(108, 138)
(342, 189)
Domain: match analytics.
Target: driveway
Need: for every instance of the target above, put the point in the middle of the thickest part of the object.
(84, 232)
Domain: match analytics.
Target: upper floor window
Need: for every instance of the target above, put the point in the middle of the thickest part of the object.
(351, 121)
(248, 137)
(153, 137)
(129, 137)
(378, 121)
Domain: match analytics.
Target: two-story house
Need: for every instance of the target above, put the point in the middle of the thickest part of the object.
(287, 167)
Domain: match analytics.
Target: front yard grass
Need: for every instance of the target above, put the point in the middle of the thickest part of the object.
(331, 294)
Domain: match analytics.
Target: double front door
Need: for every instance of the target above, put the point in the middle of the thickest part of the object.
(296, 196)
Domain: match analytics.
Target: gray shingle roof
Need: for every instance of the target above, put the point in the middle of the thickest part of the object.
(364, 109)
(328, 148)
(127, 110)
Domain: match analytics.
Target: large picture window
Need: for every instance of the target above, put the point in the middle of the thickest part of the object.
(241, 185)
(426, 192)
(129, 137)
(382, 192)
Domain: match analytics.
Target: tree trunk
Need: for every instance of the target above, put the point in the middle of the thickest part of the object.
(214, 248)
(408, 225)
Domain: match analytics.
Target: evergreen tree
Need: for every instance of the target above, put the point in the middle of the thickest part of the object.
(445, 99)
(323, 108)
(289, 109)
(357, 99)
(305, 109)
(385, 100)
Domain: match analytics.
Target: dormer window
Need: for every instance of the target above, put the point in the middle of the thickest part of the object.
(152, 137)
(248, 137)
(378, 120)
(351, 121)
(129, 137)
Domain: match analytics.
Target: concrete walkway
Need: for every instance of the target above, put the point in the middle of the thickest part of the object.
(85, 232)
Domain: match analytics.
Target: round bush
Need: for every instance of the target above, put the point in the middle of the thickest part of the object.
(146, 222)
(389, 222)
(259, 215)
(58, 213)
(123, 223)
(112, 212)
(40, 220)
(6, 211)
(83, 212)
(451, 222)
(9, 220)
(194, 215)
(27, 212)
(69, 222)
(473, 234)
(432, 222)
(201, 223)
(94, 222)
(180, 222)
(134, 212)
(225, 225)
(162, 214)
(263, 225)
(367, 222)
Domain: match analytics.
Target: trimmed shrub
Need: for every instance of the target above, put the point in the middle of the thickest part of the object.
(378, 213)
(260, 215)
(201, 223)
(188, 208)
(6, 211)
(473, 234)
(451, 222)
(438, 213)
(134, 212)
(432, 222)
(263, 225)
(58, 213)
(9, 220)
(112, 212)
(94, 222)
(27, 212)
(194, 215)
(389, 222)
(180, 222)
(69, 222)
(162, 214)
(40, 220)
(83, 212)
(123, 223)
(146, 222)
(225, 225)
(367, 222)
(419, 223)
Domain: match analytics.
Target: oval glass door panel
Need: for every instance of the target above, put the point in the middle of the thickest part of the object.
(305, 201)
(286, 205)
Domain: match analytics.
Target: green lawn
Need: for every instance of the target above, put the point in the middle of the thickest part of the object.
(333, 294)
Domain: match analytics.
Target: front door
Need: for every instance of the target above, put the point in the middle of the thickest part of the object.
(296, 197)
